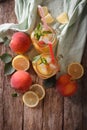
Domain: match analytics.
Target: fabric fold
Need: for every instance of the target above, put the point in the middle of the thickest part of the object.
(26, 13)
(72, 35)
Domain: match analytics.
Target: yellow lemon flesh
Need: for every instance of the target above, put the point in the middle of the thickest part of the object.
(76, 70)
(63, 18)
(39, 90)
(20, 62)
(30, 99)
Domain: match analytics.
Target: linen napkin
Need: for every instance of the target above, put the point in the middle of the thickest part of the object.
(72, 35)
(26, 13)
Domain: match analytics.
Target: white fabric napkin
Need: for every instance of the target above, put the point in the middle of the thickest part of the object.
(26, 13)
(72, 35)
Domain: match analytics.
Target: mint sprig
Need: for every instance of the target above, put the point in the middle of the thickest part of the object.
(6, 58)
(8, 69)
(39, 32)
(43, 60)
(46, 32)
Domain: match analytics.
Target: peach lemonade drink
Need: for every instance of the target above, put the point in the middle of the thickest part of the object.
(41, 36)
(44, 66)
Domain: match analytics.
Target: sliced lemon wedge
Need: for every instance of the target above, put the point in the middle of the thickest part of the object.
(63, 18)
(48, 18)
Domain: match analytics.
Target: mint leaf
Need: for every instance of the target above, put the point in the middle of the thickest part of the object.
(39, 26)
(47, 32)
(38, 31)
(6, 58)
(37, 35)
(14, 95)
(8, 69)
(6, 41)
(36, 58)
(43, 60)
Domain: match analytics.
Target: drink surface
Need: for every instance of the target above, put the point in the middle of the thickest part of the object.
(44, 66)
(41, 37)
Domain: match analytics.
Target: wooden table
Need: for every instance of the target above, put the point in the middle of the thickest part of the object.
(54, 112)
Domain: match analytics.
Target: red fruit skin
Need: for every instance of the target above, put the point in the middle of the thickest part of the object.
(64, 79)
(65, 86)
(20, 42)
(21, 81)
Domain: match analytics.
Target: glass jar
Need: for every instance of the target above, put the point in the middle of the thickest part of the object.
(41, 37)
(44, 66)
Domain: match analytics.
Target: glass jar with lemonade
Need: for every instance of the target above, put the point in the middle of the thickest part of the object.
(41, 36)
(44, 66)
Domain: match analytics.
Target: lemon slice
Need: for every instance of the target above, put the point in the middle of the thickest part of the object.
(39, 90)
(43, 68)
(48, 18)
(76, 70)
(42, 10)
(20, 62)
(63, 18)
(30, 99)
(45, 9)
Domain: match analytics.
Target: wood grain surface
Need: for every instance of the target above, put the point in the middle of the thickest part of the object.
(52, 113)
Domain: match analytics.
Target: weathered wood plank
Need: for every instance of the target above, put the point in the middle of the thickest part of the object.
(75, 108)
(33, 117)
(11, 108)
(7, 14)
(1, 103)
(84, 101)
(73, 112)
(1, 92)
(52, 110)
(84, 88)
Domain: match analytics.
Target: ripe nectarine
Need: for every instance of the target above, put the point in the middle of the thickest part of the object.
(20, 42)
(65, 86)
(21, 81)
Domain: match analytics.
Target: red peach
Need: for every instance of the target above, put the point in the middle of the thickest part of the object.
(21, 81)
(20, 42)
(66, 86)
